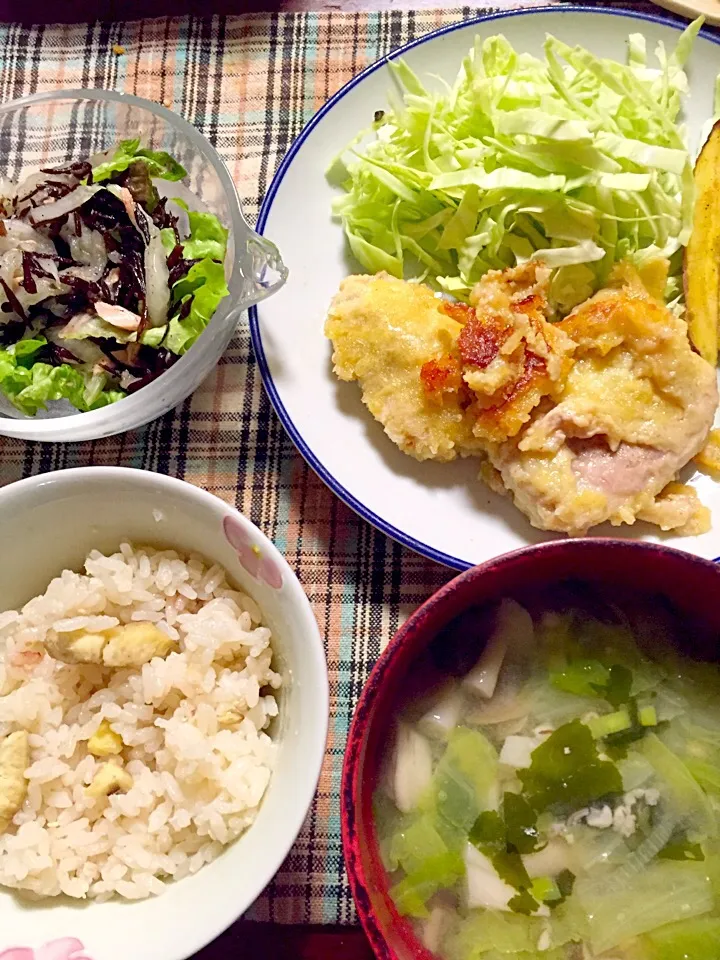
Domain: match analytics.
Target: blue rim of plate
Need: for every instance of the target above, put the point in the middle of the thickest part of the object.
(308, 455)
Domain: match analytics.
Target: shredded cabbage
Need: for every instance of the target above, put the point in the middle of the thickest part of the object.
(574, 159)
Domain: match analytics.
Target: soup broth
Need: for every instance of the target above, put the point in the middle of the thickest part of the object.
(553, 787)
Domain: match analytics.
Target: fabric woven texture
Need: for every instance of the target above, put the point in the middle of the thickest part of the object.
(249, 84)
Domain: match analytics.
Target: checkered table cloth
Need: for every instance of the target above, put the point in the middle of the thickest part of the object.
(250, 83)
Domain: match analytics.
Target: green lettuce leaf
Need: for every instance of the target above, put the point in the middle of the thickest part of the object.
(158, 162)
(153, 336)
(167, 236)
(204, 286)
(208, 237)
(30, 384)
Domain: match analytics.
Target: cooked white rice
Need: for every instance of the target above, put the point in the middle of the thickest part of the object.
(198, 777)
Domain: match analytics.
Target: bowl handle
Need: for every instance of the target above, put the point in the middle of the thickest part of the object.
(264, 269)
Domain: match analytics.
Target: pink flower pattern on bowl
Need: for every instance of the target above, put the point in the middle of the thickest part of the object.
(68, 948)
(250, 555)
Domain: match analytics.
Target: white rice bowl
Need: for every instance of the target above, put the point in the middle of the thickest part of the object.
(199, 773)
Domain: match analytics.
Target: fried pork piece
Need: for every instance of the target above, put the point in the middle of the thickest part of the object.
(583, 421)
(444, 378)
(637, 405)
(709, 457)
(678, 508)
(511, 356)
(384, 331)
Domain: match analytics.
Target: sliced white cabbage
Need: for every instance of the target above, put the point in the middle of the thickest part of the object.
(635, 770)
(444, 714)
(11, 272)
(550, 861)
(66, 204)
(411, 770)
(85, 351)
(592, 849)
(20, 235)
(507, 704)
(28, 186)
(437, 926)
(51, 267)
(87, 248)
(157, 277)
(82, 271)
(546, 125)
(485, 888)
(513, 627)
(644, 154)
(85, 325)
(517, 751)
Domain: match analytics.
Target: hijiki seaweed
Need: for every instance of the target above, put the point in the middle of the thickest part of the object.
(90, 258)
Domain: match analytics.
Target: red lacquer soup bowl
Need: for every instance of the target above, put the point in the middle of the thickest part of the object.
(691, 585)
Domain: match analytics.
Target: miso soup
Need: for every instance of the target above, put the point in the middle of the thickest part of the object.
(553, 789)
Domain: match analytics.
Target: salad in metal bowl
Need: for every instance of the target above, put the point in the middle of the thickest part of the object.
(104, 283)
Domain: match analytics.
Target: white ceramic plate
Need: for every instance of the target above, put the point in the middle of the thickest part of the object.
(441, 510)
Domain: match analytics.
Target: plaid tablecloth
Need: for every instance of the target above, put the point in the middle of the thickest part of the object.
(250, 83)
